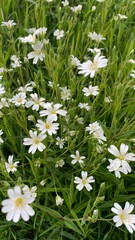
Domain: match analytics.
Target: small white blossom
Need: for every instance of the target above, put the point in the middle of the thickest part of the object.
(35, 102)
(77, 158)
(65, 3)
(9, 24)
(10, 165)
(52, 110)
(60, 163)
(2, 89)
(37, 54)
(123, 216)
(59, 200)
(76, 9)
(65, 93)
(47, 126)
(96, 37)
(15, 61)
(31, 191)
(58, 34)
(84, 181)
(60, 142)
(84, 106)
(19, 99)
(3, 103)
(132, 74)
(91, 91)
(74, 61)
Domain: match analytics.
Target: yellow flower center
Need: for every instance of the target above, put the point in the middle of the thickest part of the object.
(121, 157)
(12, 166)
(47, 125)
(37, 141)
(122, 216)
(53, 112)
(19, 100)
(84, 181)
(19, 202)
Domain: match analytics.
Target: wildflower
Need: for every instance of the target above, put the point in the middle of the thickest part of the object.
(120, 17)
(118, 170)
(122, 158)
(60, 163)
(1, 140)
(91, 91)
(35, 102)
(84, 105)
(9, 24)
(43, 182)
(132, 74)
(96, 37)
(60, 142)
(76, 9)
(93, 8)
(94, 50)
(31, 38)
(59, 200)
(52, 110)
(99, 135)
(58, 34)
(10, 165)
(40, 31)
(35, 141)
(123, 216)
(48, 126)
(37, 54)
(108, 99)
(77, 158)
(31, 191)
(131, 61)
(93, 127)
(65, 93)
(65, 3)
(15, 61)
(19, 99)
(3, 103)
(90, 68)
(74, 61)
(26, 88)
(84, 181)
(17, 206)
(2, 89)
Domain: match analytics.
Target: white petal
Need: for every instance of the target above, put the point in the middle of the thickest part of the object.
(16, 216)
(10, 215)
(24, 214)
(114, 151)
(30, 210)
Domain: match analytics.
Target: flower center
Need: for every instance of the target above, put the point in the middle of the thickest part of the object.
(47, 125)
(53, 112)
(19, 100)
(121, 157)
(19, 202)
(122, 216)
(84, 181)
(12, 166)
(37, 141)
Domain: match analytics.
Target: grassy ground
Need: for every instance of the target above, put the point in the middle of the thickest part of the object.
(74, 219)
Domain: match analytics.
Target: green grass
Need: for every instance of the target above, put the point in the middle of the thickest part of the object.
(74, 219)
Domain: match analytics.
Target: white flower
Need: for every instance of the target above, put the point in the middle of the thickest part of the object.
(118, 170)
(94, 50)
(1, 141)
(74, 61)
(49, 1)
(3, 103)
(8, 24)
(90, 68)
(132, 74)
(119, 16)
(58, 34)
(123, 216)
(60, 163)
(41, 31)
(48, 126)
(60, 142)
(10, 165)
(65, 3)
(131, 61)
(84, 181)
(37, 54)
(84, 105)
(43, 182)
(17, 206)
(19, 99)
(96, 37)
(93, 8)
(99, 135)
(108, 99)
(35, 102)
(35, 141)
(65, 93)
(91, 91)
(31, 38)
(26, 88)
(77, 158)
(52, 110)
(76, 9)
(93, 127)
(122, 158)
(15, 61)
(2, 89)
(31, 191)
(59, 200)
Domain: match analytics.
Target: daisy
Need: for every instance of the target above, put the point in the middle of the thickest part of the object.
(10, 165)
(52, 110)
(35, 141)
(96, 37)
(17, 205)
(37, 54)
(77, 158)
(58, 34)
(91, 91)
(84, 181)
(35, 102)
(90, 68)
(48, 126)
(123, 216)
(122, 158)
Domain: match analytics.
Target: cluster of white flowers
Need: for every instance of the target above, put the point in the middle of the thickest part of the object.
(97, 131)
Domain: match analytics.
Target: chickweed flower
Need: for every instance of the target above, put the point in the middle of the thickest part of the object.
(31, 191)
(65, 93)
(77, 158)
(58, 34)
(35, 102)
(59, 200)
(132, 74)
(60, 142)
(1, 140)
(123, 216)
(35, 141)
(17, 205)
(60, 163)
(52, 110)
(15, 61)
(65, 3)
(3, 103)
(47, 126)
(9, 24)
(76, 9)
(19, 99)
(91, 91)
(84, 106)
(10, 165)
(37, 54)
(96, 37)
(84, 181)
(122, 158)
(90, 68)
